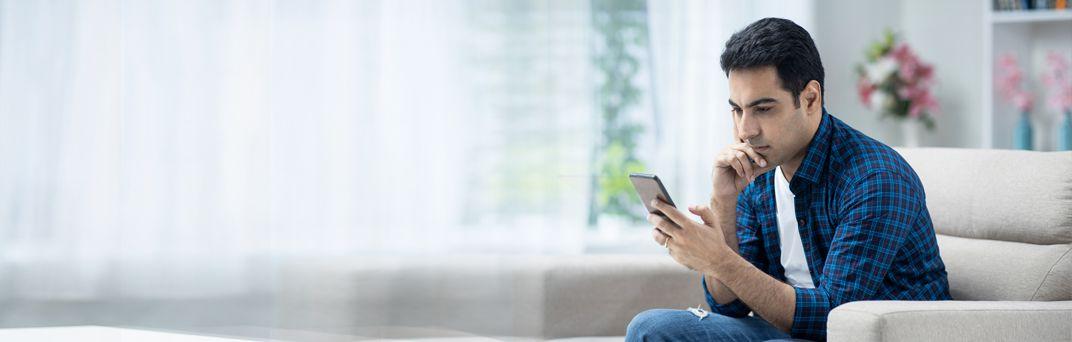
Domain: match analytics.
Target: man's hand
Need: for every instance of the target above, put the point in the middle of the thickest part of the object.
(702, 248)
(733, 171)
(693, 244)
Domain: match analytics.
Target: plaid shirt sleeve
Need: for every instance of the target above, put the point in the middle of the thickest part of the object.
(750, 247)
(877, 213)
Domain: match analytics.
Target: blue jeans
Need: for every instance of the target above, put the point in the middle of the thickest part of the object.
(681, 325)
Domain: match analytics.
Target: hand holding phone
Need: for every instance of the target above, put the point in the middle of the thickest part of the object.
(649, 187)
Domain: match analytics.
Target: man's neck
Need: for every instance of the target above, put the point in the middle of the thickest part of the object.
(790, 167)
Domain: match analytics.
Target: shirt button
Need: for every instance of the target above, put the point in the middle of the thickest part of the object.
(802, 222)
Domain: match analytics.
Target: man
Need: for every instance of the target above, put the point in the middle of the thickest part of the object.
(806, 212)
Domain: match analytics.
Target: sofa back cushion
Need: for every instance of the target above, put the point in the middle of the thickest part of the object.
(1019, 196)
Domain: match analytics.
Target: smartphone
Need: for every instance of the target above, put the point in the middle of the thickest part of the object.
(649, 187)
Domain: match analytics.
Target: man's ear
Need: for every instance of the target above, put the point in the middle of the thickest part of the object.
(811, 98)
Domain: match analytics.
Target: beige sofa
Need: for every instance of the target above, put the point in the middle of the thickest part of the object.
(1004, 220)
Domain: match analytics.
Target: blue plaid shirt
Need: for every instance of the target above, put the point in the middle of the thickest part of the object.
(864, 225)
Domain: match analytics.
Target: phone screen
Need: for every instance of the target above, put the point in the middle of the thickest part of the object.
(649, 187)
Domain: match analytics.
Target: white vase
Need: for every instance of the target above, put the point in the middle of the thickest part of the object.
(910, 129)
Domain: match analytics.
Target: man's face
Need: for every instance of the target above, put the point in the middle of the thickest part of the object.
(764, 115)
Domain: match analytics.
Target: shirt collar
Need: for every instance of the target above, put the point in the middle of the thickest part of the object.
(814, 159)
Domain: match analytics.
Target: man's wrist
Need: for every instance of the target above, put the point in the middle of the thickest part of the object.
(725, 210)
(721, 202)
(724, 256)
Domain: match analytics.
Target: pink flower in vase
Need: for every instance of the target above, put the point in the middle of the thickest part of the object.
(901, 53)
(920, 98)
(1059, 82)
(1010, 83)
(926, 74)
(864, 88)
(908, 62)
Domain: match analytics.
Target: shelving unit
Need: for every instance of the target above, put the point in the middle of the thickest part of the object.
(1030, 35)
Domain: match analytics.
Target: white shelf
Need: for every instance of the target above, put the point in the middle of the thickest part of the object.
(1030, 16)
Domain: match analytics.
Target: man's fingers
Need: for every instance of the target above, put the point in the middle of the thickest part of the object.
(728, 160)
(663, 225)
(739, 163)
(671, 213)
(745, 164)
(654, 219)
(736, 165)
(659, 236)
(760, 161)
(704, 212)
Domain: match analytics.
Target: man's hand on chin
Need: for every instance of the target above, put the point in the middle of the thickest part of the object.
(735, 167)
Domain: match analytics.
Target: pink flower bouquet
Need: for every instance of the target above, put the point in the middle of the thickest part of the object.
(1010, 82)
(896, 83)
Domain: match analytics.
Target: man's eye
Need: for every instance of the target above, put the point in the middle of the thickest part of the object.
(762, 109)
(736, 111)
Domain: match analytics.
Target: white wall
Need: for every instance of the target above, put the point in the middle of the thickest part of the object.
(949, 35)
(843, 29)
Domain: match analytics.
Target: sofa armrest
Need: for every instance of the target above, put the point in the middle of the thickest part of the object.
(951, 321)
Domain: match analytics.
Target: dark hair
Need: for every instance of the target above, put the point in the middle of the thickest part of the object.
(780, 43)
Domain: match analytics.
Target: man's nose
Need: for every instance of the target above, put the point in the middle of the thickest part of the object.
(747, 128)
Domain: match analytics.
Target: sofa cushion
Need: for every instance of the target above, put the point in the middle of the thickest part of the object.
(1001, 270)
(1021, 196)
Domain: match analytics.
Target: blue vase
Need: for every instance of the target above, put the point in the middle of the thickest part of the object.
(1064, 142)
(1022, 137)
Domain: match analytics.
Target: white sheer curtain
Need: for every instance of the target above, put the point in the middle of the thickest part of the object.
(176, 148)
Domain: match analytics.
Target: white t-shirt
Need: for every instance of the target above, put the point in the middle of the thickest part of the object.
(793, 260)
